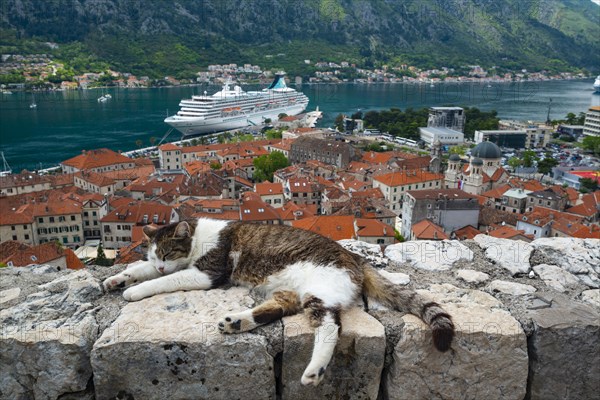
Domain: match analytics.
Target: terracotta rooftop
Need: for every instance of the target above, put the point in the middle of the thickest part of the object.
(508, 232)
(134, 213)
(467, 232)
(455, 194)
(21, 255)
(333, 227)
(96, 158)
(427, 230)
(589, 206)
(268, 188)
(407, 177)
(373, 228)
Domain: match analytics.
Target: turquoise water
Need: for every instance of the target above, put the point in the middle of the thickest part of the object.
(64, 123)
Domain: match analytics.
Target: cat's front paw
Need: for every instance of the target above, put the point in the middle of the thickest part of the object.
(313, 375)
(135, 293)
(116, 281)
(236, 323)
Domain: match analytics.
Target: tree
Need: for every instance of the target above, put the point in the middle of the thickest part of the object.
(592, 143)
(101, 259)
(339, 122)
(571, 118)
(267, 165)
(152, 141)
(139, 143)
(460, 150)
(545, 166)
(282, 115)
(215, 165)
(273, 134)
(528, 157)
(515, 162)
(587, 185)
(268, 121)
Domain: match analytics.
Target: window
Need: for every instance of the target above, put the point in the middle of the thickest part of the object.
(85, 214)
(72, 218)
(12, 228)
(24, 226)
(33, 258)
(51, 219)
(94, 213)
(26, 237)
(41, 220)
(14, 237)
(61, 218)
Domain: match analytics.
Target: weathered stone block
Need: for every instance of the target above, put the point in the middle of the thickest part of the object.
(429, 255)
(488, 358)
(355, 370)
(512, 255)
(564, 350)
(168, 347)
(46, 340)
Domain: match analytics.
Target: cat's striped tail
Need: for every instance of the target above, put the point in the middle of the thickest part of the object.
(390, 295)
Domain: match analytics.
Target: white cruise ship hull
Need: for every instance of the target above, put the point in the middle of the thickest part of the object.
(190, 126)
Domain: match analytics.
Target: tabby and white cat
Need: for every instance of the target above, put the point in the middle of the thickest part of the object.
(296, 269)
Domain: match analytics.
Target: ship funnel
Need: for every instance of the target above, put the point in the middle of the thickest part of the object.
(278, 82)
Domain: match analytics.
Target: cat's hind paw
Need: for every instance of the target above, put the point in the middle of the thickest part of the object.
(236, 323)
(313, 375)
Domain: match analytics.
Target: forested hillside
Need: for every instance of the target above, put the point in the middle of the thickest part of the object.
(157, 37)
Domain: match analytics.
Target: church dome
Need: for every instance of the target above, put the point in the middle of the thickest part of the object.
(454, 157)
(486, 150)
(477, 161)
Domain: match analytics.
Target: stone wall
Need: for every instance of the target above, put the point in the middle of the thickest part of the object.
(527, 319)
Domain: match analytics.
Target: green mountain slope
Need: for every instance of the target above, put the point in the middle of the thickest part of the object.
(162, 36)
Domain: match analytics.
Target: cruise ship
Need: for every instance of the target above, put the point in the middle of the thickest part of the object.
(234, 108)
(597, 85)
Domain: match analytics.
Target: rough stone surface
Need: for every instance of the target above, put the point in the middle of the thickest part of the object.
(564, 350)
(512, 288)
(38, 360)
(397, 278)
(429, 255)
(556, 277)
(355, 370)
(488, 359)
(472, 276)
(575, 255)
(512, 255)
(46, 339)
(9, 294)
(592, 297)
(168, 346)
(371, 252)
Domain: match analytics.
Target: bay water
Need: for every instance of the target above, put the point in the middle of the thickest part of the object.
(65, 123)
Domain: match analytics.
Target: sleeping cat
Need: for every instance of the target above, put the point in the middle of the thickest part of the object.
(297, 270)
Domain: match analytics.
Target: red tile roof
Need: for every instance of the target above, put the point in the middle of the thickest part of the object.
(96, 158)
(427, 230)
(373, 228)
(134, 212)
(268, 188)
(333, 227)
(400, 178)
(467, 232)
(508, 232)
(21, 254)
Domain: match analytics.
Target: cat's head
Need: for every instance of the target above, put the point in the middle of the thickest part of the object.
(169, 246)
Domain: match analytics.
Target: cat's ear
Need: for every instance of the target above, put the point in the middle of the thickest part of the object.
(182, 230)
(149, 231)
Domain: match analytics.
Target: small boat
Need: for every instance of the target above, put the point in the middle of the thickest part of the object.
(33, 103)
(4, 91)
